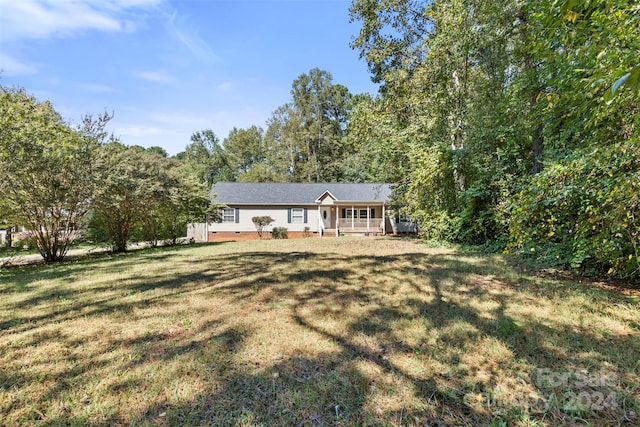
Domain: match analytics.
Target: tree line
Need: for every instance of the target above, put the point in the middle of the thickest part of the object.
(61, 181)
(509, 125)
(306, 140)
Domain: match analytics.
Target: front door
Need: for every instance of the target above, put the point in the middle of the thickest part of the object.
(327, 217)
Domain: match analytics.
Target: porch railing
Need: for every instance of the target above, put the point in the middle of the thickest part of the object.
(360, 223)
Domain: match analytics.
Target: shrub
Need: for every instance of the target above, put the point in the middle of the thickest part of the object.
(261, 223)
(279, 233)
(582, 212)
(24, 240)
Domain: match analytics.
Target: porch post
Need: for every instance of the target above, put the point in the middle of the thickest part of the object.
(320, 228)
(368, 217)
(353, 220)
(384, 222)
(337, 221)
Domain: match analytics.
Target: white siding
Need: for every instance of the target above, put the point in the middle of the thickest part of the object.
(278, 213)
(197, 232)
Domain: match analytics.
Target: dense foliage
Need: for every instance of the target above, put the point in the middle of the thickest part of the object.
(509, 124)
(62, 183)
(45, 172)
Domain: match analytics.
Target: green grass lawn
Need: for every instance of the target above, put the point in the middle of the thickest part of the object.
(348, 331)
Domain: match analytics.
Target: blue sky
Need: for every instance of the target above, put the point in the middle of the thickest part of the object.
(168, 68)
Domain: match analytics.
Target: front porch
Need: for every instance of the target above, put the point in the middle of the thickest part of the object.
(365, 220)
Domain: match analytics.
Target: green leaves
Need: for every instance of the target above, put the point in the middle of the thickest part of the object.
(45, 172)
(630, 80)
(583, 210)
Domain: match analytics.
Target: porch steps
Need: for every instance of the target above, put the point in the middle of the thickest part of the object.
(329, 232)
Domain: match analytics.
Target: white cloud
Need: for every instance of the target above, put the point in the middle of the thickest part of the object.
(189, 36)
(155, 76)
(10, 66)
(39, 19)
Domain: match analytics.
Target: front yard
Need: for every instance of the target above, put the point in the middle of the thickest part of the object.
(348, 331)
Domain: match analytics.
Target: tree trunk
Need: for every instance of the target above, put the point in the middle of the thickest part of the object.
(537, 149)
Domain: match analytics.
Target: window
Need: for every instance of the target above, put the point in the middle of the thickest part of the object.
(403, 218)
(297, 215)
(228, 215)
(324, 214)
(363, 214)
(347, 213)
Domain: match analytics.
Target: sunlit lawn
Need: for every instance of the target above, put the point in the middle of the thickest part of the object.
(348, 331)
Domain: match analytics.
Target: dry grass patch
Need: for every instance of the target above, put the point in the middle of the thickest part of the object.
(312, 332)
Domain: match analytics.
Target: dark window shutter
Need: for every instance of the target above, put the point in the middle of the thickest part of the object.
(373, 212)
(344, 213)
(305, 215)
(289, 216)
(237, 215)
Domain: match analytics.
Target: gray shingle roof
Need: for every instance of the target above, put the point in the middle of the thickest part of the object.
(243, 193)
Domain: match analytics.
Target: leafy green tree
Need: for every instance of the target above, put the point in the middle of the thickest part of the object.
(372, 154)
(305, 138)
(45, 172)
(158, 150)
(322, 108)
(261, 172)
(586, 195)
(143, 196)
(284, 145)
(206, 160)
(175, 201)
(244, 148)
(447, 70)
(126, 184)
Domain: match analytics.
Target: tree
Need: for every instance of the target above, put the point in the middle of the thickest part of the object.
(127, 187)
(447, 69)
(176, 200)
(305, 138)
(510, 122)
(245, 148)
(284, 151)
(45, 172)
(322, 108)
(261, 223)
(206, 160)
(586, 196)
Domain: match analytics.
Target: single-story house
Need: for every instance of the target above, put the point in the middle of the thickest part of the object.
(305, 209)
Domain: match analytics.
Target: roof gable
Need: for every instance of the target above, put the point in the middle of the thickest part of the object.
(324, 195)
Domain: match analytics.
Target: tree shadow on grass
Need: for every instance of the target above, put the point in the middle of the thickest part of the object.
(413, 337)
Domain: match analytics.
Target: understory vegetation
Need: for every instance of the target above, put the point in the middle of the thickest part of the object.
(348, 331)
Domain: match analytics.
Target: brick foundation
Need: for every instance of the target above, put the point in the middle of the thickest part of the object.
(229, 236)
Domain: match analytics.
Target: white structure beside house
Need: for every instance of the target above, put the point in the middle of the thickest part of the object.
(314, 209)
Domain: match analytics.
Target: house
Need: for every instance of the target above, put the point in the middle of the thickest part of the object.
(305, 209)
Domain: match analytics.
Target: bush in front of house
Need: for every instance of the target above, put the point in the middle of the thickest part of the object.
(279, 233)
(24, 241)
(261, 223)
